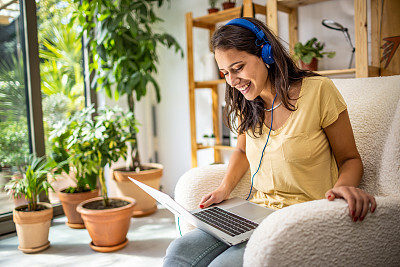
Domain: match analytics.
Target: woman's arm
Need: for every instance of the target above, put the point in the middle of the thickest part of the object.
(341, 139)
(237, 167)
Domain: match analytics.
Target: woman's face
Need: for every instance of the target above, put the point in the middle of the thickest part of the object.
(243, 71)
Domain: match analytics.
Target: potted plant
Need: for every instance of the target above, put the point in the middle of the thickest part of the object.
(32, 221)
(212, 140)
(309, 53)
(103, 141)
(213, 6)
(81, 168)
(206, 139)
(123, 48)
(228, 4)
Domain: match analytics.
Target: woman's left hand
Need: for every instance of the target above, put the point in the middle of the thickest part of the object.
(358, 200)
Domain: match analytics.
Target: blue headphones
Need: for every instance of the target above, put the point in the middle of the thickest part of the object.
(266, 50)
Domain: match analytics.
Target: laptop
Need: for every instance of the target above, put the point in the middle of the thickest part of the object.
(231, 221)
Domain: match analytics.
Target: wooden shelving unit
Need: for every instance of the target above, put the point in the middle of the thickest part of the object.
(270, 10)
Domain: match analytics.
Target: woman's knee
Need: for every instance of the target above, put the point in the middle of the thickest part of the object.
(195, 248)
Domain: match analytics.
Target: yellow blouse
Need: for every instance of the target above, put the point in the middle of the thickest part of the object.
(298, 163)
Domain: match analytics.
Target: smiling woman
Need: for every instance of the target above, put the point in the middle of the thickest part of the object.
(294, 134)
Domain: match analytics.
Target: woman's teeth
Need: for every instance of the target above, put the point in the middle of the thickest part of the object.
(244, 87)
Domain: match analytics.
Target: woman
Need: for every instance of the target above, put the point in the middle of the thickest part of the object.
(294, 133)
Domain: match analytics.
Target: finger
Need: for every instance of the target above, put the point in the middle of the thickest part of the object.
(359, 205)
(373, 203)
(203, 200)
(365, 207)
(209, 201)
(351, 201)
(330, 195)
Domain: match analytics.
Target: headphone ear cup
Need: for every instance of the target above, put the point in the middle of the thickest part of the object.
(266, 54)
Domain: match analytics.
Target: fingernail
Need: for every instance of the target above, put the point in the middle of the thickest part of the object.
(201, 206)
(329, 196)
(373, 210)
(355, 219)
(361, 219)
(352, 213)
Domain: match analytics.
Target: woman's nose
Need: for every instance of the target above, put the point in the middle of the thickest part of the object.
(232, 80)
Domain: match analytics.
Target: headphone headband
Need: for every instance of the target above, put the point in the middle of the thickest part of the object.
(251, 27)
(266, 51)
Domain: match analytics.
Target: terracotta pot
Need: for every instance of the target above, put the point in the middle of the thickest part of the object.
(145, 204)
(33, 228)
(228, 5)
(107, 228)
(313, 66)
(213, 10)
(59, 182)
(69, 203)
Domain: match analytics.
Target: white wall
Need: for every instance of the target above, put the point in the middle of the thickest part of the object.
(173, 124)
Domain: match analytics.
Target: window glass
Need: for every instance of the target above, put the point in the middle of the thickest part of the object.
(61, 71)
(62, 83)
(60, 53)
(14, 136)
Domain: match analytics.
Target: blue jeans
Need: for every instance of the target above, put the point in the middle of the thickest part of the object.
(197, 248)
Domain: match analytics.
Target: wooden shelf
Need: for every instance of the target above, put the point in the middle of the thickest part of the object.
(218, 147)
(334, 72)
(209, 21)
(208, 84)
(297, 3)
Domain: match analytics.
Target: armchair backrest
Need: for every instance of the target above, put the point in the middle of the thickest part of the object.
(372, 106)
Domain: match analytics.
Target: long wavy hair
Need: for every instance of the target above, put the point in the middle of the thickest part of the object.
(282, 73)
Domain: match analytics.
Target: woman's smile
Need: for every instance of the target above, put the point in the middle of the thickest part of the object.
(243, 88)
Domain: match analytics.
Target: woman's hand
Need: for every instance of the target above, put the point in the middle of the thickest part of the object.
(216, 196)
(358, 200)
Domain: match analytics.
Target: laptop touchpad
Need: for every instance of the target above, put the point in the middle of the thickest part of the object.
(250, 211)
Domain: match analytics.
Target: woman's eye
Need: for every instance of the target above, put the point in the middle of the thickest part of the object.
(239, 68)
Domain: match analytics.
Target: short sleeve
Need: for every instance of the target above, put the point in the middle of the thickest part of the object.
(332, 103)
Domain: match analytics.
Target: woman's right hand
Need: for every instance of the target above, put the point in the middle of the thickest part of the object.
(214, 197)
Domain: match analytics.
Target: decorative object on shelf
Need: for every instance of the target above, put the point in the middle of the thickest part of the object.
(213, 6)
(206, 139)
(32, 221)
(211, 140)
(309, 53)
(337, 26)
(228, 4)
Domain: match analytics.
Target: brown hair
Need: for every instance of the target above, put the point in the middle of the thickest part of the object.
(281, 74)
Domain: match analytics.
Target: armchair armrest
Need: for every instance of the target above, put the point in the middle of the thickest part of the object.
(320, 233)
(197, 182)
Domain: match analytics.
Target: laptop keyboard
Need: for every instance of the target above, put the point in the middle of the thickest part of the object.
(226, 221)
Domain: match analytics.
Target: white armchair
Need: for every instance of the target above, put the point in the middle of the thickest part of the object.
(319, 232)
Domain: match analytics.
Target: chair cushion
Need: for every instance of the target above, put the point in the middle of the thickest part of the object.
(371, 105)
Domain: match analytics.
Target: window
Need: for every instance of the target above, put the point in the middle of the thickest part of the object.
(14, 136)
(38, 87)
